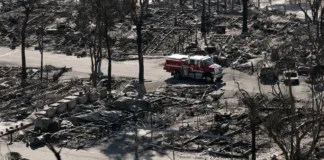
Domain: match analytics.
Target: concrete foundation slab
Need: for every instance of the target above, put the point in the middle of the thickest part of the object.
(49, 111)
(72, 101)
(60, 107)
(82, 97)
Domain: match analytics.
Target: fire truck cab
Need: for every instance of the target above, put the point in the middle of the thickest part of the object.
(197, 67)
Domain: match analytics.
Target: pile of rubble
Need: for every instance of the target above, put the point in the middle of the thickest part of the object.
(45, 104)
(195, 119)
(165, 31)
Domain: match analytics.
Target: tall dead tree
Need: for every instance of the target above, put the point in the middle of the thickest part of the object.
(96, 53)
(209, 9)
(203, 18)
(316, 9)
(103, 14)
(217, 6)
(29, 6)
(209, 15)
(252, 104)
(137, 15)
(90, 13)
(245, 16)
(108, 47)
(315, 29)
(40, 40)
(296, 131)
(111, 11)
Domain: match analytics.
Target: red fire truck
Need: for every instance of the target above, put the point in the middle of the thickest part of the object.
(197, 67)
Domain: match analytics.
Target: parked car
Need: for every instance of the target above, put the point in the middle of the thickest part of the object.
(268, 74)
(291, 77)
(303, 70)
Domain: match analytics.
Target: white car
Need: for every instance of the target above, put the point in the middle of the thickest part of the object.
(291, 76)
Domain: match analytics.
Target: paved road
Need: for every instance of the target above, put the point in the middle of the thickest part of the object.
(153, 70)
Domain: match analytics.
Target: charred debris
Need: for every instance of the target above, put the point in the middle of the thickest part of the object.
(199, 119)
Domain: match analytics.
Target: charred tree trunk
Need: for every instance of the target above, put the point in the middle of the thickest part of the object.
(209, 3)
(42, 66)
(225, 5)
(253, 130)
(203, 18)
(245, 17)
(94, 58)
(294, 132)
(217, 5)
(109, 54)
(140, 54)
(209, 15)
(23, 46)
(138, 21)
(40, 38)
(147, 7)
(109, 70)
(94, 63)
